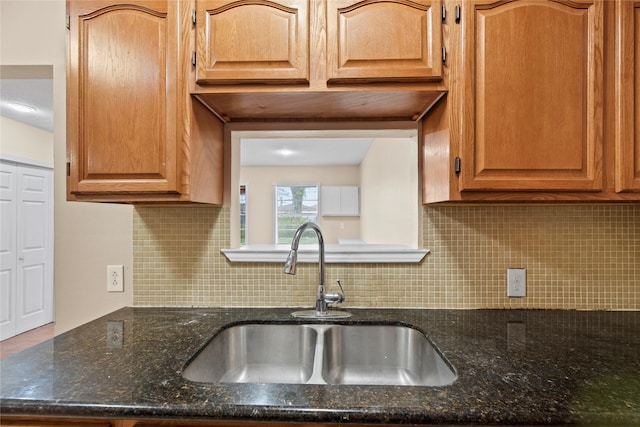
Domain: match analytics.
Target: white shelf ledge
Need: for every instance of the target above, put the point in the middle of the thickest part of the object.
(334, 254)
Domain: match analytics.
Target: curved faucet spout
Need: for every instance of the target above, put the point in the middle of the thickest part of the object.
(292, 261)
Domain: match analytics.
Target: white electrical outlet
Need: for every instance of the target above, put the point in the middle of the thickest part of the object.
(516, 282)
(115, 278)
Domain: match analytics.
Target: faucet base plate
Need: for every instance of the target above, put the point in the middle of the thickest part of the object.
(314, 314)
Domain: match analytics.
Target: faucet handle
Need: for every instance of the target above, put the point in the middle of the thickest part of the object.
(335, 297)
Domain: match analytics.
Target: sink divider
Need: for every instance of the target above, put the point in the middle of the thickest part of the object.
(316, 375)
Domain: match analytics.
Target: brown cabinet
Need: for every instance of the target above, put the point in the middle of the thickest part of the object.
(138, 128)
(627, 88)
(533, 88)
(284, 42)
(318, 59)
(252, 41)
(525, 116)
(130, 133)
(383, 40)
(542, 96)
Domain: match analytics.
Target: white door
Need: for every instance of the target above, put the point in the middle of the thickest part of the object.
(35, 290)
(28, 300)
(8, 255)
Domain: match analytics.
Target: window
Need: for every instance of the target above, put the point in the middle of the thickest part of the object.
(295, 205)
(243, 215)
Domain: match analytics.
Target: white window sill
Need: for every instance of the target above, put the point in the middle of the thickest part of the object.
(334, 254)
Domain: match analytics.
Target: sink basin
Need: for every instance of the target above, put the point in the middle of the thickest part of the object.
(385, 355)
(256, 353)
(321, 354)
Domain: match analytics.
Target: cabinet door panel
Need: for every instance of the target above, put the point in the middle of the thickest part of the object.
(533, 84)
(375, 40)
(628, 96)
(121, 98)
(252, 41)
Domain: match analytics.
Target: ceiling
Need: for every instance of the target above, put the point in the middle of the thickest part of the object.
(311, 147)
(303, 151)
(27, 86)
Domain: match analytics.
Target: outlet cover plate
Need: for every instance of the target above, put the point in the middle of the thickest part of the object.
(115, 278)
(516, 282)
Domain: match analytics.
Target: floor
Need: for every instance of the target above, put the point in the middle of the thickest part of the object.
(25, 340)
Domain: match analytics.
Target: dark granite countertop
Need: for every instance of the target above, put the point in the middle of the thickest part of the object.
(514, 367)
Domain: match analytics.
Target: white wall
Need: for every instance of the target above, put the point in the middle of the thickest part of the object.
(24, 141)
(87, 236)
(389, 192)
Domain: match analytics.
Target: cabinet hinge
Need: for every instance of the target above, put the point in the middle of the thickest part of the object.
(68, 168)
(444, 13)
(193, 16)
(444, 54)
(457, 165)
(68, 22)
(457, 13)
(193, 58)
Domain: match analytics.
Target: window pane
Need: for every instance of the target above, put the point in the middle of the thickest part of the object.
(295, 205)
(243, 215)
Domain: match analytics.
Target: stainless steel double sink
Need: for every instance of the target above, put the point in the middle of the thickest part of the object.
(321, 354)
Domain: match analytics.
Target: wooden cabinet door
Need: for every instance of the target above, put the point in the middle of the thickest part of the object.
(243, 41)
(374, 40)
(121, 97)
(628, 96)
(533, 95)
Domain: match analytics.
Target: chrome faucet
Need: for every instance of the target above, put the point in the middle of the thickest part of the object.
(323, 298)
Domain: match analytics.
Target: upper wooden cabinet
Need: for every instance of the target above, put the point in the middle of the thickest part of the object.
(373, 40)
(627, 89)
(532, 104)
(318, 59)
(130, 133)
(287, 41)
(252, 41)
(533, 95)
(121, 121)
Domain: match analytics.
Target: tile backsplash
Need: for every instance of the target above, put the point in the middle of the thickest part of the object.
(576, 256)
